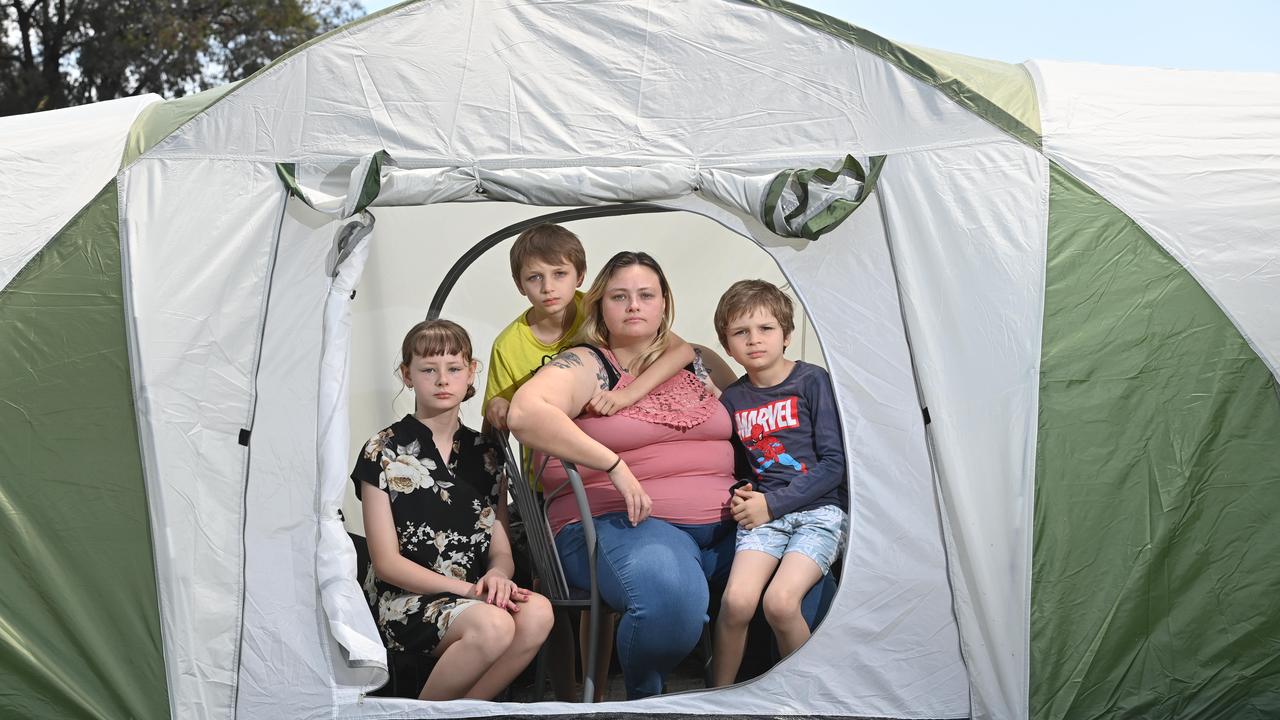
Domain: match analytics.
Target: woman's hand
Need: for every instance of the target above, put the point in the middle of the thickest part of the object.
(749, 508)
(498, 589)
(608, 402)
(639, 505)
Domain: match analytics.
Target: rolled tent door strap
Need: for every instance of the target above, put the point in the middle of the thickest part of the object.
(326, 191)
(811, 203)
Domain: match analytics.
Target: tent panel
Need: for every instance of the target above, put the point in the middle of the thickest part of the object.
(158, 121)
(993, 90)
(1194, 159)
(52, 164)
(79, 622)
(287, 641)
(616, 83)
(199, 237)
(1157, 514)
(967, 228)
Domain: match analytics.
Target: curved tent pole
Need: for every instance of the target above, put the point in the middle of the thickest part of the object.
(480, 248)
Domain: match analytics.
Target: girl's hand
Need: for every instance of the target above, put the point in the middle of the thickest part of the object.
(639, 505)
(749, 508)
(498, 589)
(608, 402)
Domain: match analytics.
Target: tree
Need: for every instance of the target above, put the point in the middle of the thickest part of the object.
(55, 53)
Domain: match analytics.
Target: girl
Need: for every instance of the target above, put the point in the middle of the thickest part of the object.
(441, 557)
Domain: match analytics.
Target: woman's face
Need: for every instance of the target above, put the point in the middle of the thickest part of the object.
(633, 306)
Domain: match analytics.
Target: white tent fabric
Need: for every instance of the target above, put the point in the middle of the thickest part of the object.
(196, 293)
(979, 370)
(1150, 141)
(51, 165)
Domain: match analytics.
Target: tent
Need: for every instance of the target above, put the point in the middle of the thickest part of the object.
(1045, 292)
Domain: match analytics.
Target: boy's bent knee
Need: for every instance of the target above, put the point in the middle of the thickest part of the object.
(781, 605)
(737, 607)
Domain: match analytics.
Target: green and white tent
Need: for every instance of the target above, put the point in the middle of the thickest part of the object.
(1074, 268)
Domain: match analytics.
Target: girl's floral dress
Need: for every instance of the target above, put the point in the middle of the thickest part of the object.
(444, 515)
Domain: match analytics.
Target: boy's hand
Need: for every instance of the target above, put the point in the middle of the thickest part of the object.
(748, 508)
(608, 402)
(496, 414)
(497, 589)
(639, 505)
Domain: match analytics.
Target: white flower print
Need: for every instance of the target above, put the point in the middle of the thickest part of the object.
(397, 608)
(374, 447)
(491, 461)
(406, 474)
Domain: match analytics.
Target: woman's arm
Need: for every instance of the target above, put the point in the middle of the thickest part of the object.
(672, 360)
(384, 551)
(541, 418)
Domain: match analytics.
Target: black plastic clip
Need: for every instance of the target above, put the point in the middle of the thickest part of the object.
(244, 437)
(925, 411)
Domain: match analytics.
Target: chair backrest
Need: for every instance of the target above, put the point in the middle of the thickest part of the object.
(542, 547)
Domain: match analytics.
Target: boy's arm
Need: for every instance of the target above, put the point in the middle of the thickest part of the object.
(672, 360)
(498, 390)
(828, 470)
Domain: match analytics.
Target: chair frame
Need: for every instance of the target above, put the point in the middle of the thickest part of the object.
(546, 561)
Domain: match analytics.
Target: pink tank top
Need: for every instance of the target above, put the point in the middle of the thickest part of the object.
(676, 442)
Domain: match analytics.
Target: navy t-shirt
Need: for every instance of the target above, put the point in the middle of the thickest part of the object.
(790, 436)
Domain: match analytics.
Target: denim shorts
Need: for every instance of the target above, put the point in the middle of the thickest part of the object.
(818, 534)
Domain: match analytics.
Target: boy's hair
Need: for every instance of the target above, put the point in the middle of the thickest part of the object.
(746, 296)
(593, 329)
(550, 244)
(437, 337)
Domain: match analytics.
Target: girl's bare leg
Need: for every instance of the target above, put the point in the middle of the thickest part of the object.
(532, 624)
(796, 575)
(750, 572)
(473, 643)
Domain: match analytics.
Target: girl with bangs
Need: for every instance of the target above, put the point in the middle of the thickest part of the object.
(442, 565)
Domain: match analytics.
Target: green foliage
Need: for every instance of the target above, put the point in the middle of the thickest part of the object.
(56, 53)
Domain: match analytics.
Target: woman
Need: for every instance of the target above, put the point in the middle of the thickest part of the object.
(657, 473)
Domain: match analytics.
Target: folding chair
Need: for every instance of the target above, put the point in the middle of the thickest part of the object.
(546, 561)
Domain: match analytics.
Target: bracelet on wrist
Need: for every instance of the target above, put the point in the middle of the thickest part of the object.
(614, 465)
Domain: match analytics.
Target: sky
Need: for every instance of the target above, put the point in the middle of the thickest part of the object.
(1223, 35)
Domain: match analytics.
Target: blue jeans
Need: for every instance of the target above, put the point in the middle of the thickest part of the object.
(656, 574)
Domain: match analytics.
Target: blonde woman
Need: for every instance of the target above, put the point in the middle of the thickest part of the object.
(657, 473)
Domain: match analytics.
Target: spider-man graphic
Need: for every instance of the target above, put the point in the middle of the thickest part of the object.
(772, 450)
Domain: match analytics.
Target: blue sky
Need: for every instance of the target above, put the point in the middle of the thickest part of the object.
(1223, 35)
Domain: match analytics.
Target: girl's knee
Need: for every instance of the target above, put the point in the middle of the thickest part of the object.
(535, 618)
(491, 628)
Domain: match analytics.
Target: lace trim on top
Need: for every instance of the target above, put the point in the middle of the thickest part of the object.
(682, 402)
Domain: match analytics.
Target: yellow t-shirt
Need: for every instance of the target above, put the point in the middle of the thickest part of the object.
(517, 354)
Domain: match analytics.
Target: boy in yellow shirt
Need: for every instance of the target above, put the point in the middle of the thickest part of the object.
(548, 265)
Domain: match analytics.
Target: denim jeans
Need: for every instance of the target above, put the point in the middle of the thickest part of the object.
(656, 574)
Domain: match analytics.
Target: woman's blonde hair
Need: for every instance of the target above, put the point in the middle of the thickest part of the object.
(436, 337)
(593, 328)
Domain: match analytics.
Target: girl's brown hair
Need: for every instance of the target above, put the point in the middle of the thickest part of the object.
(593, 328)
(437, 337)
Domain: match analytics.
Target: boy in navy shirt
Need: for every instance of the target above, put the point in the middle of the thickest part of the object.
(792, 516)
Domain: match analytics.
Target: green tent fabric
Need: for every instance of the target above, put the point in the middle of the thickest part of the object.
(1157, 487)
(79, 622)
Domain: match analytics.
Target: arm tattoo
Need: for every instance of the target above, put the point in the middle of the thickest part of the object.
(567, 360)
(602, 377)
(699, 368)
